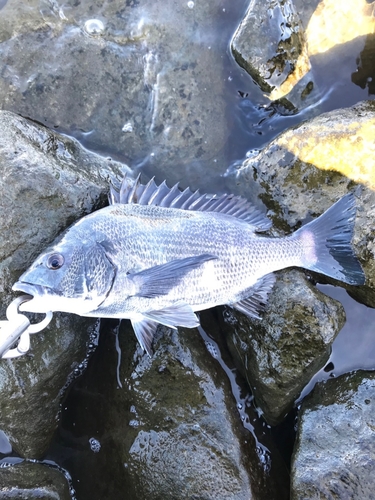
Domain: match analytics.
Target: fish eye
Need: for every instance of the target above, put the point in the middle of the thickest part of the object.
(55, 261)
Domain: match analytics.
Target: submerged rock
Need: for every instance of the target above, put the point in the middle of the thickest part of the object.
(335, 449)
(280, 43)
(268, 44)
(32, 480)
(280, 353)
(308, 167)
(171, 427)
(122, 77)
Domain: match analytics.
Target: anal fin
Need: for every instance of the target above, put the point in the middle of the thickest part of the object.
(255, 303)
(144, 331)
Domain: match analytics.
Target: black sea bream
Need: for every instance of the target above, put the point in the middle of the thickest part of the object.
(157, 255)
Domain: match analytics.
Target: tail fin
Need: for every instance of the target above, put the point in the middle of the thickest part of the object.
(331, 235)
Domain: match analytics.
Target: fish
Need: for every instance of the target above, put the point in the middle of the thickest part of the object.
(158, 255)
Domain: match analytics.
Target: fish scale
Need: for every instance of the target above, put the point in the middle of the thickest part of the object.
(157, 255)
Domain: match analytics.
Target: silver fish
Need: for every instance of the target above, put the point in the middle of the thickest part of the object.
(157, 255)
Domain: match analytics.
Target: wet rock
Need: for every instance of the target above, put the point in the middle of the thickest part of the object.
(121, 77)
(280, 353)
(335, 449)
(268, 43)
(330, 24)
(172, 426)
(282, 43)
(31, 387)
(32, 480)
(364, 76)
(307, 168)
(47, 181)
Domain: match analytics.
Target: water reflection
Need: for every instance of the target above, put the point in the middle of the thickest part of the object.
(354, 347)
(333, 23)
(364, 77)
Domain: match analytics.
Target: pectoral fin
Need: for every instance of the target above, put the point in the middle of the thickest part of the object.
(178, 314)
(159, 280)
(255, 303)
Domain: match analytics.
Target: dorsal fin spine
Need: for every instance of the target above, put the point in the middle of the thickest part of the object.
(196, 205)
(165, 202)
(189, 203)
(133, 192)
(150, 187)
(132, 197)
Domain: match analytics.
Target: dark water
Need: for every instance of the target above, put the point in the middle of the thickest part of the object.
(354, 347)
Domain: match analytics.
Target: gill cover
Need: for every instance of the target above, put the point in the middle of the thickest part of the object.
(90, 274)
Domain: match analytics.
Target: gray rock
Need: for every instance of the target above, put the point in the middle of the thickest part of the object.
(280, 353)
(129, 88)
(269, 43)
(47, 181)
(287, 45)
(306, 9)
(335, 450)
(32, 386)
(308, 167)
(32, 480)
(171, 430)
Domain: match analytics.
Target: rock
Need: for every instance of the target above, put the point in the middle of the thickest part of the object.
(307, 168)
(329, 31)
(280, 353)
(47, 181)
(32, 480)
(121, 77)
(268, 44)
(276, 42)
(364, 76)
(31, 387)
(335, 449)
(171, 427)
(334, 23)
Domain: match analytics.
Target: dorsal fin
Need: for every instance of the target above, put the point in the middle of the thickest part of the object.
(163, 196)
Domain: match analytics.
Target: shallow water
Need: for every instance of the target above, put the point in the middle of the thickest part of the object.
(354, 347)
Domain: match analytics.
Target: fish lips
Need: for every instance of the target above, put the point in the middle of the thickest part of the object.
(38, 293)
(46, 299)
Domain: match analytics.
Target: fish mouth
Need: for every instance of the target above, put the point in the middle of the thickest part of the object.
(34, 290)
(37, 303)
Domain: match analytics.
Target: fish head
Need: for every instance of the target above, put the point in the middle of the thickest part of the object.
(75, 275)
